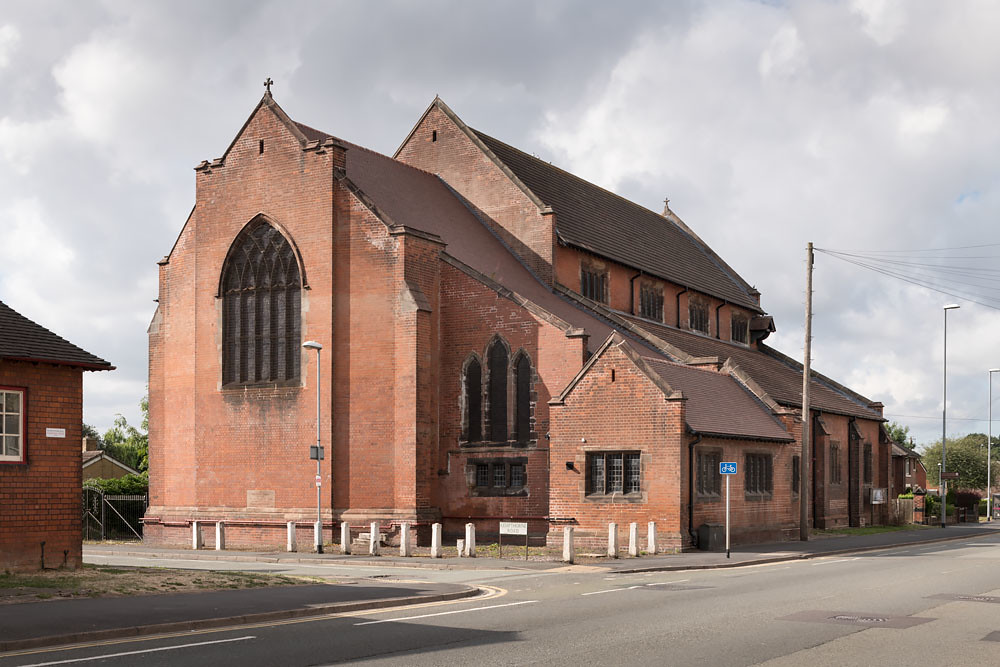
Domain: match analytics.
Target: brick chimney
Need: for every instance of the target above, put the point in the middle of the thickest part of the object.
(90, 444)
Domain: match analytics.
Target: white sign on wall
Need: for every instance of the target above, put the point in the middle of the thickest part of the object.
(513, 528)
(55, 433)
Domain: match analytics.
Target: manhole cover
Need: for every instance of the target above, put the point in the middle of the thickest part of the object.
(862, 619)
(964, 598)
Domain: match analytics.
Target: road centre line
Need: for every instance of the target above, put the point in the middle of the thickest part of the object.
(632, 588)
(831, 562)
(446, 613)
(146, 650)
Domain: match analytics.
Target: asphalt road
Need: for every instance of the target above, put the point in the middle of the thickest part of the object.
(877, 608)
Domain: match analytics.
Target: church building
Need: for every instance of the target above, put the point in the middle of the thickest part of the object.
(502, 341)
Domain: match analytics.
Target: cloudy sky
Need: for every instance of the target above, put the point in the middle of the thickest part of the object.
(867, 125)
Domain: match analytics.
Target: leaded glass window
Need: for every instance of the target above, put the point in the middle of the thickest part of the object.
(261, 318)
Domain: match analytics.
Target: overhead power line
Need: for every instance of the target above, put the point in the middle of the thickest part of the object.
(974, 278)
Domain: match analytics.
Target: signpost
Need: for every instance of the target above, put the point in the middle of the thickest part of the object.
(727, 468)
(514, 528)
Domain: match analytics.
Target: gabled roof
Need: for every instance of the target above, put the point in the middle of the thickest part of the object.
(776, 374)
(92, 457)
(718, 405)
(23, 340)
(601, 222)
(419, 200)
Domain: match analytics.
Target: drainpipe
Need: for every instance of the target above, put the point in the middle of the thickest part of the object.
(631, 293)
(691, 446)
(683, 291)
(718, 332)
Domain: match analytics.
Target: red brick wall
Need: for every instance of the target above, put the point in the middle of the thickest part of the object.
(629, 413)
(40, 500)
(471, 315)
(460, 162)
(751, 519)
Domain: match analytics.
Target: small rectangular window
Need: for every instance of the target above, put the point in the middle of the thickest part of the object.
(709, 479)
(651, 302)
(483, 474)
(757, 481)
(517, 475)
(594, 284)
(698, 315)
(868, 463)
(11, 425)
(499, 476)
(796, 474)
(741, 328)
(614, 472)
(834, 463)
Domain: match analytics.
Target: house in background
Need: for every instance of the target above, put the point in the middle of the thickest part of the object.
(908, 470)
(41, 413)
(503, 341)
(98, 464)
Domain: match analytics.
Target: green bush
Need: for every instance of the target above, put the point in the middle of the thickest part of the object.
(982, 507)
(906, 496)
(129, 485)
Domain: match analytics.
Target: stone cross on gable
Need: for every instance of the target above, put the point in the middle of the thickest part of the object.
(267, 84)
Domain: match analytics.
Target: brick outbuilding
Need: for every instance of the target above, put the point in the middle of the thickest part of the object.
(41, 417)
(472, 302)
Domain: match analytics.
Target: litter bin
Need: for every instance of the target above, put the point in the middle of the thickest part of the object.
(712, 537)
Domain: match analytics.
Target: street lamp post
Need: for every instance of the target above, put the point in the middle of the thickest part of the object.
(989, 451)
(944, 420)
(317, 453)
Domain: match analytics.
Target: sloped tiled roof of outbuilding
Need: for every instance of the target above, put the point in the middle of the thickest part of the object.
(718, 405)
(592, 218)
(775, 373)
(23, 340)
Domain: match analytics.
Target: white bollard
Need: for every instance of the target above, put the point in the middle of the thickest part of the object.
(651, 538)
(196, 542)
(612, 540)
(318, 536)
(633, 539)
(290, 544)
(405, 547)
(460, 546)
(220, 536)
(345, 537)
(373, 539)
(567, 544)
(436, 541)
(470, 540)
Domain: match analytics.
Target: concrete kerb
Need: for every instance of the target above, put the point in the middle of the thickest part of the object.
(231, 621)
(784, 558)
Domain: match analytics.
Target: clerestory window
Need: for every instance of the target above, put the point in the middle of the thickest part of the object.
(261, 316)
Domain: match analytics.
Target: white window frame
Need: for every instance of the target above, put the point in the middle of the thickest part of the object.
(20, 456)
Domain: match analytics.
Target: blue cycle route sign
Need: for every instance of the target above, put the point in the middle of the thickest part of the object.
(727, 468)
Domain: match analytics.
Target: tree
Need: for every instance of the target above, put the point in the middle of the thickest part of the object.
(966, 456)
(900, 434)
(127, 443)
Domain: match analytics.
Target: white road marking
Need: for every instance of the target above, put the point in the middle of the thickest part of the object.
(830, 562)
(446, 613)
(667, 583)
(147, 650)
(611, 590)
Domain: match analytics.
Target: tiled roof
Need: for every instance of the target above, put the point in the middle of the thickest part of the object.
(420, 200)
(718, 405)
(775, 373)
(22, 339)
(592, 218)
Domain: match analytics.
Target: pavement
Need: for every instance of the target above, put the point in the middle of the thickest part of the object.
(59, 622)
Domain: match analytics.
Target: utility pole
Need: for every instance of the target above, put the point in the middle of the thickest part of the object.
(805, 461)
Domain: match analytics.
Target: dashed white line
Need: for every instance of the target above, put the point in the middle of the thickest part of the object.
(147, 650)
(446, 613)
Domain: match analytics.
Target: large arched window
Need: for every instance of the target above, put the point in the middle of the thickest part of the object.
(472, 391)
(261, 308)
(497, 364)
(522, 398)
